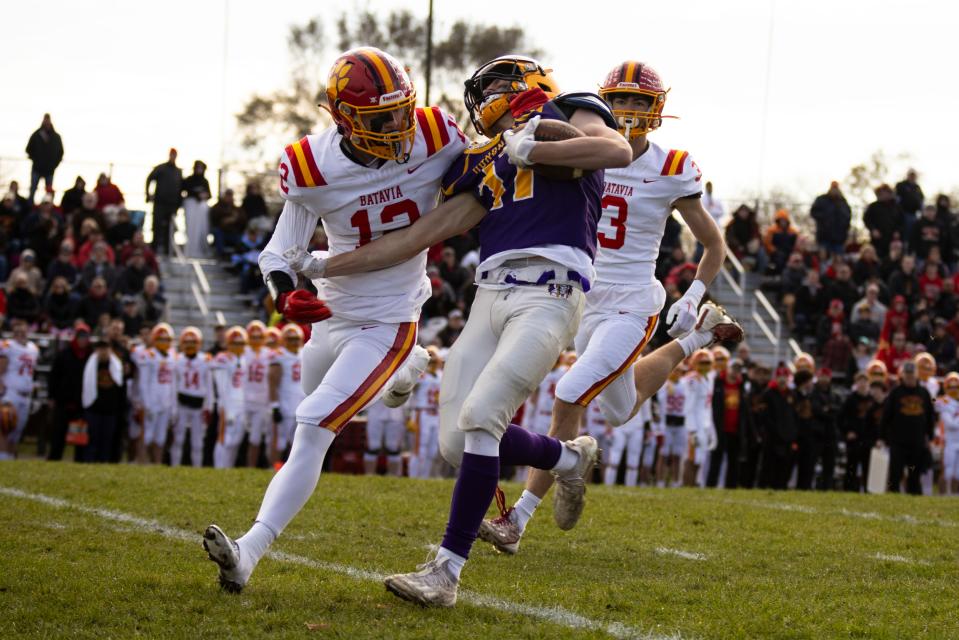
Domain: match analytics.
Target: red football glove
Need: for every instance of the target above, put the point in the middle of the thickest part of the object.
(302, 307)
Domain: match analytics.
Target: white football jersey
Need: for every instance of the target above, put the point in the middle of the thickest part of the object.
(672, 399)
(379, 413)
(291, 390)
(193, 376)
(427, 396)
(357, 205)
(156, 377)
(948, 409)
(699, 402)
(932, 386)
(229, 371)
(256, 382)
(546, 394)
(21, 362)
(637, 200)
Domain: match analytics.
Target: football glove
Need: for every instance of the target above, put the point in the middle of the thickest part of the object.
(519, 144)
(277, 415)
(681, 317)
(302, 307)
(302, 261)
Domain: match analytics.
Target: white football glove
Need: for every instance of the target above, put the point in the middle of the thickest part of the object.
(302, 261)
(682, 316)
(519, 144)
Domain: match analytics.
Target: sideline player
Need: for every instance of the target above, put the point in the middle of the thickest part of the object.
(377, 170)
(229, 372)
(21, 355)
(286, 388)
(948, 406)
(157, 389)
(194, 395)
(699, 416)
(539, 285)
(623, 307)
(426, 404)
(672, 414)
(256, 391)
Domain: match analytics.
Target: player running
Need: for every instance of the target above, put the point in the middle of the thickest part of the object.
(194, 395)
(377, 170)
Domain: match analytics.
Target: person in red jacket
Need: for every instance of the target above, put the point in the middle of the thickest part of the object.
(108, 194)
(893, 355)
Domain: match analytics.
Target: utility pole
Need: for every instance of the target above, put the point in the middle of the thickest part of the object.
(429, 52)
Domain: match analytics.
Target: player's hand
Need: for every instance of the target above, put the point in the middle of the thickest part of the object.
(302, 261)
(681, 317)
(277, 415)
(302, 307)
(520, 143)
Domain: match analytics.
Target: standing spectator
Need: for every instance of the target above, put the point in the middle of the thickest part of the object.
(729, 416)
(944, 211)
(66, 387)
(73, 197)
(908, 425)
(28, 267)
(102, 381)
(780, 240)
(22, 303)
(853, 426)
(108, 194)
(928, 232)
(166, 200)
(826, 405)
(197, 211)
(59, 307)
(96, 303)
(885, 219)
(910, 197)
(755, 406)
(151, 305)
(227, 222)
(42, 231)
(832, 215)
(45, 149)
(777, 423)
(253, 203)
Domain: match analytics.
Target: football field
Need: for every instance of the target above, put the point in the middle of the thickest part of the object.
(114, 551)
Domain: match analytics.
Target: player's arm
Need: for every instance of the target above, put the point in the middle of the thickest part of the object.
(455, 216)
(600, 148)
(707, 232)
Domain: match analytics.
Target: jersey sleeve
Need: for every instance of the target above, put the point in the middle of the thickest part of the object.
(569, 103)
(294, 228)
(685, 174)
(441, 133)
(465, 174)
(298, 172)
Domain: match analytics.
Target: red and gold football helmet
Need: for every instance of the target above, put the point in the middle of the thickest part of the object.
(877, 371)
(256, 334)
(518, 73)
(702, 361)
(190, 341)
(273, 338)
(637, 78)
(720, 358)
(161, 337)
(368, 90)
(236, 340)
(925, 366)
(293, 337)
(951, 385)
(804, 362)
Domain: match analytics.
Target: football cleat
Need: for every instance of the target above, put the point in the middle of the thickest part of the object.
(401, 385)
(502, 533)
(714, 319)
(570, 496)
(226, 554)
(432, 585)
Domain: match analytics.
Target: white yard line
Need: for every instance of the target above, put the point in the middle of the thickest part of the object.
(555, 615)
(885, 557)
(842, 511)
(687, 555)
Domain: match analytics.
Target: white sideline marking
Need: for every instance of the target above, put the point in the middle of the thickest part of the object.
(688, 555)
(555, 615)
(865, 515)
(885, 557)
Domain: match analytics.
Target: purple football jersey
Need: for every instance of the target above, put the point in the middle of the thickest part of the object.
(526, 209)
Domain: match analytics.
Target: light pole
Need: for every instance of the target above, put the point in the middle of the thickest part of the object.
(429, 52)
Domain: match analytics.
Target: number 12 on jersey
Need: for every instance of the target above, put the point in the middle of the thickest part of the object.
(361, 219)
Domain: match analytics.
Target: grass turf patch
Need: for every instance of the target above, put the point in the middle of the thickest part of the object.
(685, 563)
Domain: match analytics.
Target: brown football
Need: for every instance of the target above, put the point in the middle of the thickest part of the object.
(555, 131)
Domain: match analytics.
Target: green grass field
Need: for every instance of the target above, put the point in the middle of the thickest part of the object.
(114, 551)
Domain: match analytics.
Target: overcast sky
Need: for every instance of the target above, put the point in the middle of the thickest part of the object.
(124, 81)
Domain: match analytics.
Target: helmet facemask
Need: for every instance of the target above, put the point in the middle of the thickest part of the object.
(492, 86)
(367, 123)
(637, 111)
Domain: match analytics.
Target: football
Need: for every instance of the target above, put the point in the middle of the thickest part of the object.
(555, 131)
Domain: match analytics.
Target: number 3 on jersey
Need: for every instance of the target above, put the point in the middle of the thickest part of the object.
(361, 219)
(617, 207)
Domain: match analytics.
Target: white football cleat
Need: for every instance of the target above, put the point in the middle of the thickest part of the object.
(502, 533)
(570, 495)
(432, 585)
(714, 320)
(226, 554)
(401, 385)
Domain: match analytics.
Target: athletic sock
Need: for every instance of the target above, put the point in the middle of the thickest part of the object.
(568, 460)
(289, 489)
(524, 509)
(631, 477)
(694, 340)
(455, 562)
(522, 447)
(609, 476)
(472, 495)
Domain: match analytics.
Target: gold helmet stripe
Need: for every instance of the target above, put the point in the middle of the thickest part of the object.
(385, 76)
